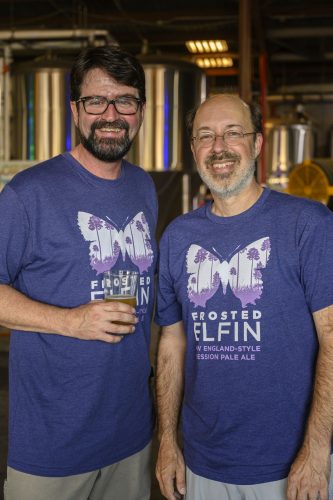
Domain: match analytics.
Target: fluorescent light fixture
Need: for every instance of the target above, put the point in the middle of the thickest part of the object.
(214, 62)
(206, 46)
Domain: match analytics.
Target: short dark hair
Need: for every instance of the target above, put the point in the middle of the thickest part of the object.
(255, 113)
(120, 65)
(256, 117)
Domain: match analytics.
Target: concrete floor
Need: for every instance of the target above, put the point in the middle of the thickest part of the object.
(4, 345)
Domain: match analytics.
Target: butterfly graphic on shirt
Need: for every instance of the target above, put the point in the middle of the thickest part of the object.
(243, 273)
(107, 242)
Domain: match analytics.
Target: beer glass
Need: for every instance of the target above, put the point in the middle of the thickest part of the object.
(121, 286)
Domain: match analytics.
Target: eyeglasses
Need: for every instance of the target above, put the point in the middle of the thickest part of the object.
(231, 137)
(97, 105)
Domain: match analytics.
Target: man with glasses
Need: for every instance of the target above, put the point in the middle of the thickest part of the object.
(81, 416)
(245, 301)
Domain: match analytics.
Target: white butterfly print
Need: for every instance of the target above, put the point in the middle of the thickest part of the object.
(106, 242)
(242, 273)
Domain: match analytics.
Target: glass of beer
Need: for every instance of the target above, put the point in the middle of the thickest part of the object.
(121, 286)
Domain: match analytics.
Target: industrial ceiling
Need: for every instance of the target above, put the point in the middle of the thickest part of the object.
(296, 36)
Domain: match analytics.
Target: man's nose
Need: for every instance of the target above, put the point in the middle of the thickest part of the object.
(110, 112)
(219, 143)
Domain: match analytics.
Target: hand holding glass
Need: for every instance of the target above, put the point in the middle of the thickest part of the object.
(121, 286)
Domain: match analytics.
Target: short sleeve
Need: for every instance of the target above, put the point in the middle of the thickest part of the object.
(168, 309)
(316, 258)
(13, 235)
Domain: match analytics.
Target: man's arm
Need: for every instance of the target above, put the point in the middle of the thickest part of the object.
(310, 472)
(170, 468)
(92, 321)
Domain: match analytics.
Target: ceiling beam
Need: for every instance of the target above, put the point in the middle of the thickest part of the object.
(299, 32)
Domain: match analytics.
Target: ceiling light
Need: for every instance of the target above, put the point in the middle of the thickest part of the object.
(204, 46)
(214, 62)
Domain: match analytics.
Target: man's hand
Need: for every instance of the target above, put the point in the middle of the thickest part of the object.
(170, 469)
(309, 475)
(96, 321)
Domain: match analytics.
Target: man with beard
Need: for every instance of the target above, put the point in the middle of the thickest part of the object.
(245, 301)
(80, 409)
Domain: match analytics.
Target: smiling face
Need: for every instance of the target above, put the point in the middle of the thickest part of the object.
(226, 169)
(109, 136)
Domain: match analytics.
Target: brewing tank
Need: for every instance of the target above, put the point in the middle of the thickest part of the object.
(41, 122)
(278, 154)
(42, 126)
(287, 144)
(173, 88)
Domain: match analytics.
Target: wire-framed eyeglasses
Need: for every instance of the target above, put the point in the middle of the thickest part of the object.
(231, 137)
(97, 105)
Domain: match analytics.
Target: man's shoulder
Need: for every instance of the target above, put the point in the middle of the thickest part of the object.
(138, 173)
(135, 169)
(186, 220)
(36, 172)
(299, 206)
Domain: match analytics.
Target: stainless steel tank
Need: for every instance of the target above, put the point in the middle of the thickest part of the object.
(278, 154)
(41, 122)
(303, 142)
(42, 126)
(287, 144)
(173, 87)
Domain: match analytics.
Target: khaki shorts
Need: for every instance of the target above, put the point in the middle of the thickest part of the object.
(200, 488)
(128, 479)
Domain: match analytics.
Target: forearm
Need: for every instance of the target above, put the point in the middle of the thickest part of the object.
(96, 320)
(170, 378)
(319, 427)
(19, 312)
(310, 472)
(170, 467)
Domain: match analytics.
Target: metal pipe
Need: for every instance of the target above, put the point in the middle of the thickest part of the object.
(10, 35)
(245, 50)
(303, 97)
(263, 106)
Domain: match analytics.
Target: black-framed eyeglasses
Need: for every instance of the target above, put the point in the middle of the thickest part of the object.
(231, 137)
(97, 105)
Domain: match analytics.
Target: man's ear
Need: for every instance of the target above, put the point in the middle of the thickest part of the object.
(75, 112)
(258, 144)
(142, 112)
(193, 150)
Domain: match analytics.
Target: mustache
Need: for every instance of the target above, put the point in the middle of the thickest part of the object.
(224, 155)
(122, 124)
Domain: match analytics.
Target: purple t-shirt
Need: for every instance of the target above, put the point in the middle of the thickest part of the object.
(77, 405)
(246, 287)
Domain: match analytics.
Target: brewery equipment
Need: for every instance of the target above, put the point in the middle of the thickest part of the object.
(41, 123)
(173, 87)
(278, 154)
(289, 141)
(313, 179)
(41, 118)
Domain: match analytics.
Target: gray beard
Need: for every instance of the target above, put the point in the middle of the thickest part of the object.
(228, 191)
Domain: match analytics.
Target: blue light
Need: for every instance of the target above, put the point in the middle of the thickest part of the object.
(68, 115)
(166, 132)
